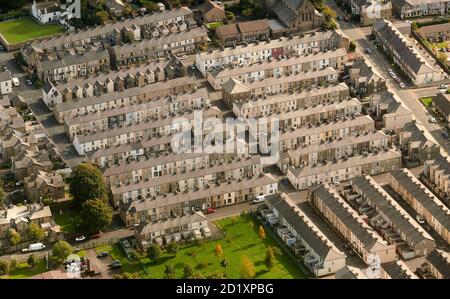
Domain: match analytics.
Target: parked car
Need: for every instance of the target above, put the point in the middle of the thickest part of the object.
(115, 265)
(445, 134)
(210, 211)
(420, 219)
(368, 51)
(29, 82)
(2, 48)
(103, 254)
(259, 199)
(402, 85)
(432, 120)
(5, 68)
(80, 239)
(15, 81)
(126, 244)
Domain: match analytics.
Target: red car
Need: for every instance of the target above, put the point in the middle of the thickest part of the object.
(210, 211)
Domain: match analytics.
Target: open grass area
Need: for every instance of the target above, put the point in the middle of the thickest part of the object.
(426, 101)
(241, 241)
(68, 220)
(23, 270)
(27, 29)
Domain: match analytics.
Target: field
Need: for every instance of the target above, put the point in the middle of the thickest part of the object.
(27, 29)
(241, 240)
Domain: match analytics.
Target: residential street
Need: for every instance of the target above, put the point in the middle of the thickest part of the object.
(409, 97)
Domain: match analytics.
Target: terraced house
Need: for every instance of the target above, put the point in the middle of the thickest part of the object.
(437, 172)
(102, 83)
(132, 54)
(111, 33)
(262, 51)
(233, 89)
(176, 180)
(119, 98)
(350, 225)
(215, 195)
(425, 203)
(133, 113)
(418, 8)
(321, 255)
(266, 105)
(145, 129)
(388, 218)
(344, 169)
(411, 62)
(276, 68)
(73, 66)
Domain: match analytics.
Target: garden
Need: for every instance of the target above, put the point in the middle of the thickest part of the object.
(26, 29)
(243, 252)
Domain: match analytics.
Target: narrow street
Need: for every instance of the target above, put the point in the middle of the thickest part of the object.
(409, 97)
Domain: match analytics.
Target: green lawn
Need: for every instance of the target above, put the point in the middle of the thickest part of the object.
(214, 25)
(241, 240)
(27, 29)
(426, 101)
(68, 220)
(23, 270)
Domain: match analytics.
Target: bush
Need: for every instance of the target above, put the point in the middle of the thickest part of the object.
(4, 268)
(230, 16)
(201, 265)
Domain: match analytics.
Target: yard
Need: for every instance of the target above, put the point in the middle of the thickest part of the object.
(214, 25)
(27, 29)
(426, 101)
(241, 241)
(69, 220)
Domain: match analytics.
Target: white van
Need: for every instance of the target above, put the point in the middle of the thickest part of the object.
(259, 198)
(15, 81)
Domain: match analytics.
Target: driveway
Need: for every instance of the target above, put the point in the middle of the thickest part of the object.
(101, 263)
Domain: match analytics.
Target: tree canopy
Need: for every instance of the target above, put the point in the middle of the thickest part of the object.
(61, 250)
(96, 215)
(35, 232)
(87, 183)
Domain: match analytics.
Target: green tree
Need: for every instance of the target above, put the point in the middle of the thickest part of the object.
(188, 271)
(61, 250)
(169, 272)
(247, 268)
(216, 275)
(87, 183)
(31, 261)
(197, 275)
(13, 236)
(101, 17)
(4, 267)
(173, 248)
(13, 265)
(270, 258)
(128, 10)
(35, 232)
(219, 250)
(442, 57)
(154, 252)
(96, 215)
(352, 46)
(329, 13)
(2, 196)
(261, 233)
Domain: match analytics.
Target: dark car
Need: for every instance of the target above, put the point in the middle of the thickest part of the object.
(115, 265)
(103, 254)
(445, 134)
(95, 235)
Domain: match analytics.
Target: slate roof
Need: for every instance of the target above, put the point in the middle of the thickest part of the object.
(177, 222)
(440, 261)
(429, 201)
(442, 101)
(319, 243)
